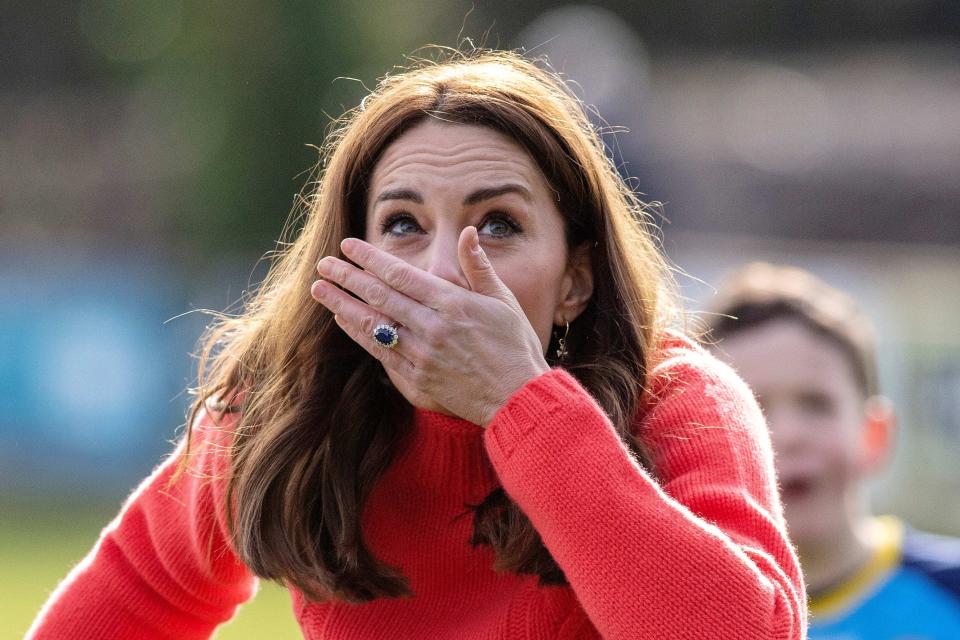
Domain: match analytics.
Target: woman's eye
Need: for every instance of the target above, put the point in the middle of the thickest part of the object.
(498, 226)
(399, 225)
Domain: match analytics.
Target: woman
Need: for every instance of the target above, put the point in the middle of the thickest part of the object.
(474, 423)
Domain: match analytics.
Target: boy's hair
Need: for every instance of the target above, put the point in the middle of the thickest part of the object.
(760, 292)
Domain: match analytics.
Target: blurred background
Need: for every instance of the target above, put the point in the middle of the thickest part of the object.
(150, 151)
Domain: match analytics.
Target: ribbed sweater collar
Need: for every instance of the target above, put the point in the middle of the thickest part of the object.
(444, 454)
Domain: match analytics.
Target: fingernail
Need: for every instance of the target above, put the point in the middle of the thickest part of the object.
(318, 289)
(475, 241)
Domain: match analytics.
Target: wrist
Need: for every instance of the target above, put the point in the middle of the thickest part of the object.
(537, 369)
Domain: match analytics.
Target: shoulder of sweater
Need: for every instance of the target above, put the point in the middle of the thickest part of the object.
(214, 421)
(684, 373)
(679, 357)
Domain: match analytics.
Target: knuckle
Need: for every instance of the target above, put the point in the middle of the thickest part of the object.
(366, 324)
(397, 275)
(376, 295)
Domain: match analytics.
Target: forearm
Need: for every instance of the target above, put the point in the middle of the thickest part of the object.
(637, 557)
(163, 568)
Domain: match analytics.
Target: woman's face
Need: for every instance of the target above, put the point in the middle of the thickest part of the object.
(438, 178)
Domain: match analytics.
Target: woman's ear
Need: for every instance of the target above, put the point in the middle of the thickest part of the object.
(577, 287)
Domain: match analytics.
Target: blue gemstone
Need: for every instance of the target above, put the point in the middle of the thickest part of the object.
(384, 336)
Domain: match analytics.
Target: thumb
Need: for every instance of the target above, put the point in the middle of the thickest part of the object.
(477, 268)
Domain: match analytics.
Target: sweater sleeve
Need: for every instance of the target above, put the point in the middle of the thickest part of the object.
(164, 567)
(701, 550)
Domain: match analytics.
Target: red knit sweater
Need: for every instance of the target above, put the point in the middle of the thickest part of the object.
(700, 553)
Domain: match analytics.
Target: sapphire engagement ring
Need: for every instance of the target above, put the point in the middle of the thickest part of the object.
(386, 335)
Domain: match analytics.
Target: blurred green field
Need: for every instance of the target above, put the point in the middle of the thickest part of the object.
(39, 546)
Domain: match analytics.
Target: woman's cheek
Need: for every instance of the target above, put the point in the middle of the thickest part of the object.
(536, 300)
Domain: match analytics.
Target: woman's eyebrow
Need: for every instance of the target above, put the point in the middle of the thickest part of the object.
(486, 193)
(400, 194)
(492, 192)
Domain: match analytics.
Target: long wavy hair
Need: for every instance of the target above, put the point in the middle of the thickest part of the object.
(319, 421)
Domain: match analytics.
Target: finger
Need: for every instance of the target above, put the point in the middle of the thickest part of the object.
(341, 303)
(389, 357)
(418, 284)
(477, 268)
(356, 313)
(375, 292)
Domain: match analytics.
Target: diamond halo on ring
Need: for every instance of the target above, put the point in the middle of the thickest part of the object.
(386, 335)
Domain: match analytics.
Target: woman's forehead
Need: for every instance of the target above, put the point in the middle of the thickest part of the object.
(457, 154)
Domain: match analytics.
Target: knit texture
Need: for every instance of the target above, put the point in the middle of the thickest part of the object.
(700, 552)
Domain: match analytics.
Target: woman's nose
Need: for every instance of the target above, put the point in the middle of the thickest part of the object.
(444, 263)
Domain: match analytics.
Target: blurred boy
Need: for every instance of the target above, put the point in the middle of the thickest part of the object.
(807, 351)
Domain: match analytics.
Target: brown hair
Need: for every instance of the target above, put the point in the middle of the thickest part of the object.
(759, 293)
(319, 420)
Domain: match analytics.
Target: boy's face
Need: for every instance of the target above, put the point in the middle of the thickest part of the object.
(815, 411)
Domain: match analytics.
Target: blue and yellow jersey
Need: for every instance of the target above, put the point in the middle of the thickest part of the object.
(910, 590)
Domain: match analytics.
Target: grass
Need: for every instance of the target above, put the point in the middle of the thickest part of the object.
(38, 546)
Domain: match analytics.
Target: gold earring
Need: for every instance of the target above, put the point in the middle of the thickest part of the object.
(562, 352)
